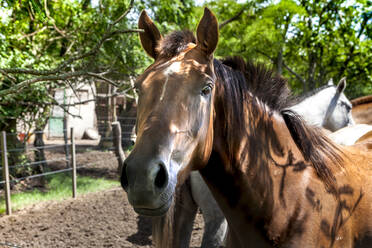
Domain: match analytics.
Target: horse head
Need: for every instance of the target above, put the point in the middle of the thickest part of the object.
(338, 113)
(326, 106)
(174, 115)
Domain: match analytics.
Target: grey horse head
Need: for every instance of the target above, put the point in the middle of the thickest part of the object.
(326, 107)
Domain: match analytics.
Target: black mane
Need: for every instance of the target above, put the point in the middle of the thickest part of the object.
(262, 82)
(243, 83)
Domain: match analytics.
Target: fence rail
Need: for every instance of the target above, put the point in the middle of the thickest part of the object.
(70, 157)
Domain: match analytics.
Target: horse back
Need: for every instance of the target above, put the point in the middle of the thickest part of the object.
(362, 112)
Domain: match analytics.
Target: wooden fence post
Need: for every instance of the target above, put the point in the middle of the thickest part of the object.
(6, 173)
(73, 162)
(116, 136)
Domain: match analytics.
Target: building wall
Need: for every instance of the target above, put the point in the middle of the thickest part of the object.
(84, 114)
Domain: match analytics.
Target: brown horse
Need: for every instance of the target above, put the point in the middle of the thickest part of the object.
(278, 181)
(362, 110)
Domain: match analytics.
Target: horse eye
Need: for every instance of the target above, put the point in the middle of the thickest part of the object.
(206, 90)
(347, 106)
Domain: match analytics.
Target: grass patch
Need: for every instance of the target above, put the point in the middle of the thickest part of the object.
(59, 187)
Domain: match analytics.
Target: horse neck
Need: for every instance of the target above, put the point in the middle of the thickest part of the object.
(240, 169)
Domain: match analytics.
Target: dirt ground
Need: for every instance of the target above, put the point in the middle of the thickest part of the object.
(103, 219)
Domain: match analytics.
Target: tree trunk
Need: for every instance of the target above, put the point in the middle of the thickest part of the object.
(39, 155)
(279, 62)
(311, 73)
(116, 133)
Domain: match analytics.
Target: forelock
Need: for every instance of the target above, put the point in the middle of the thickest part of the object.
(175, 43)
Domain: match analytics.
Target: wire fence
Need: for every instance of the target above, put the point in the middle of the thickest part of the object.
(23, 155)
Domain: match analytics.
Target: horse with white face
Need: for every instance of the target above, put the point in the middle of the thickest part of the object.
(326, 107)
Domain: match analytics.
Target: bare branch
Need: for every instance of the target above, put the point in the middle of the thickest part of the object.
(25, 83)
(125, 31)
(103, 78)
(92, 88)
(53, 21)
(55, 103)
(32, 34)
(63, 106)
(11, 78)
(266, 55)
(235, 17)
(124, 14)
(73, 90)
(69, 47)
(294, 73)
(285, 65)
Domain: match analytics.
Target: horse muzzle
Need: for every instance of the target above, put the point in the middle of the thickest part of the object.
(148, 185)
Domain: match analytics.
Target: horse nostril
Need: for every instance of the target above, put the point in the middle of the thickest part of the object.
(161, 177)
(124, 178)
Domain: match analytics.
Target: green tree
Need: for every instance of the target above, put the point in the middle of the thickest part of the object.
(44, 44)
(47, 45)
(307, 41)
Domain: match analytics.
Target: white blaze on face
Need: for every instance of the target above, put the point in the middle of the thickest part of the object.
(175, 67)
(164, 87)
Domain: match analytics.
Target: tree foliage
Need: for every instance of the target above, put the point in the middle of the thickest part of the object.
(45, 45)
(309, 42)
(53, 44)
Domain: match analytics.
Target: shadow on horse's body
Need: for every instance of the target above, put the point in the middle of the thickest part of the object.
(325, 107)
(278, 181)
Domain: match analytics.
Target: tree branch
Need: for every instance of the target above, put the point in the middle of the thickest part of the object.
(124, 14)
(32, 34)
(103, 78)
(351, 53)
(266, 55)
(53, 21)
(235, 17)
(294, 73)
(286, 66)
(91, 52)
(46, 75)
(25, 83)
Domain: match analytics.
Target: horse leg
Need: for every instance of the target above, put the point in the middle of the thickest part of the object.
(184, 215)
(215, 227)
(232, 240)
(173, 230)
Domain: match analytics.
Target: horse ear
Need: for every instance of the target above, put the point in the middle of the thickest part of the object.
(151, 35)
(341, 85)
(330, 82)
(207, 33)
